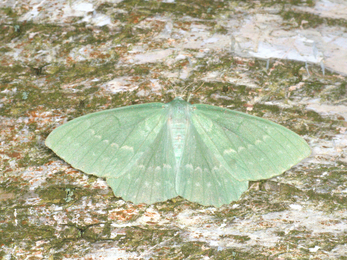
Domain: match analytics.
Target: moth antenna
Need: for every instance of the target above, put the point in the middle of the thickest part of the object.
(172, 87)
(175, 93)
(338, 101)
(186, 88)
(194, 90)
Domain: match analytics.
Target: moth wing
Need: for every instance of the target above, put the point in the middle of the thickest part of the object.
(202, 177)
(249, 147)
(107, 143)
(151, 178)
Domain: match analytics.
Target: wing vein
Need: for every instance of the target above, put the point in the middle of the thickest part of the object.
(73, 128)
(99, 132)
(242, 139)
(249, 142)
(149, 132)
(231, 143)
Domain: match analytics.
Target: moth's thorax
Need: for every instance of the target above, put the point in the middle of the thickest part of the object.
(178, 123)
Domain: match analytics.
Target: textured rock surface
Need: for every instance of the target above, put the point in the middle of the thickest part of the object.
(63, 59)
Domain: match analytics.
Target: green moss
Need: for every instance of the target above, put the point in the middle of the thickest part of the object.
(142, 237)
(312, 19)
(24, 232)
(194, 249)
(62, 194)
(237, 238)
(97, 232)
(197, 9)
(104, 7)
(9, 12)
(15, 69)
(5, 49)
(336, 93)
(11, 189)
(55, 97)
(317, 192)
(82, 70)
(54, 195)
(69, 233)
(176, 205)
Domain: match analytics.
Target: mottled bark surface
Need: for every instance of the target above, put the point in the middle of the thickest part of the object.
(285, 61)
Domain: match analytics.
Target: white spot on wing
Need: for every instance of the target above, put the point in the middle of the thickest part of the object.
(189, 167)
(167, 166)
(266, 137)
(105, 141)
(241, 148)
(128, 148)
(271, 130)
(105, 159)
(257, 142)
(114, 145)
(215, 168)
(229, 151)
(198, 169)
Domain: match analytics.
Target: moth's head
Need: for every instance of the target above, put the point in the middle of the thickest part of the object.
(186, 93)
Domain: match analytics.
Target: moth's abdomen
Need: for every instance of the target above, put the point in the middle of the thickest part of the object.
(178, 123)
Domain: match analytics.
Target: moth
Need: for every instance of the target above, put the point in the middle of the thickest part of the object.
(153, 152)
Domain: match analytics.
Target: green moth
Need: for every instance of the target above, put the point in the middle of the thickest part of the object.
(154, 152)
